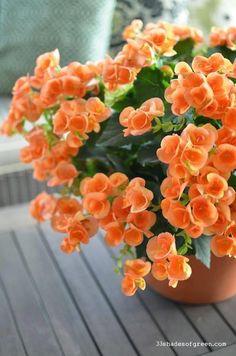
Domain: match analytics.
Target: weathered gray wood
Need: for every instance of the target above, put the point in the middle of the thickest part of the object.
(227, 310)
(170, 318)
(10, 342)
(133, 316)
(67, 323)
(30, 316)
(106, 330)
(226, 351)
(209, 324)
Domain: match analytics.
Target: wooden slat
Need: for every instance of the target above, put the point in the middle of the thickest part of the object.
(227, 351)
(30, 317)
(209, 324)
(106, 329)
(170, 318)
(133, 316)
(67, 323)
(227, 310)
(10, 341)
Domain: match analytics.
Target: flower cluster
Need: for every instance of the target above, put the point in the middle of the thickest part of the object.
(120, 206)
(143, 145)
(206, 87)
(139, 121)
(161, 250)
(142, 48)
(199, 166)
(49, 86)
(223, 37)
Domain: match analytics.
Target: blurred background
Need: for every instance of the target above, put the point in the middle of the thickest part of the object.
(82, 30)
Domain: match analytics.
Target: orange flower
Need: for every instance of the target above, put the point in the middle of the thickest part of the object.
(215, 63)
(97, 204)
(203, 137)
(216, 186)
(119, 181)
(72, 86)
(154, 107)
(42, 207)
(178, 215)
(229, 196)
(134, 271)
(229, 119)
(222, 245)
(119, 210)
(202, 211)
(98, 183)
(77, 233)
(133, 29)
(225, 158)
(64, 173)
(138, 122)
(178, 269)
(171, 188)
(90, 224)
(66, 246)
(224, 217)
(60, 123)
(159, 270)
(47, 63)
(143, 220)
(170, 146)
(96, 107)
(114, 234)
(161, 246)
(194, 158)
(128, 286)
(137, 268)
(133, 237)
(38, 146)
(194, 231)
(137, 197)
(68, 206)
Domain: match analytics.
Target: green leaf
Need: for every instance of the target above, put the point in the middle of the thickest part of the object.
(232, 180)
(112, 134)
(149, 84)
(184, 49)
(147, 154)
(202, 249)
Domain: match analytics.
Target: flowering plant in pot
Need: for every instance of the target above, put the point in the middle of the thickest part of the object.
(144, 147)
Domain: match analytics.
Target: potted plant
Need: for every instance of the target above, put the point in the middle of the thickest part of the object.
(144, 147)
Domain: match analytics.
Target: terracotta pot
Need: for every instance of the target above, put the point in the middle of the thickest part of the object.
(205, 285)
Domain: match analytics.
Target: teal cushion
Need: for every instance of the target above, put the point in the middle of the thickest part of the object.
(80, 29)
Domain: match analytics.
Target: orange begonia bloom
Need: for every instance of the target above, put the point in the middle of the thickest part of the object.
(66, 246)
(138, 198)
(114, 234)
(137, 268)
(222, 245)
(170, 146)
(143, 220)
(159, 270)
(97, 204)
(225, 158)
(202, 211)
(133, 237)
(161, 246)
(178, 269)
(43, 207)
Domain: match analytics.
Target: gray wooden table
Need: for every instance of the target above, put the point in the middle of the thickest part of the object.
(54, 304)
